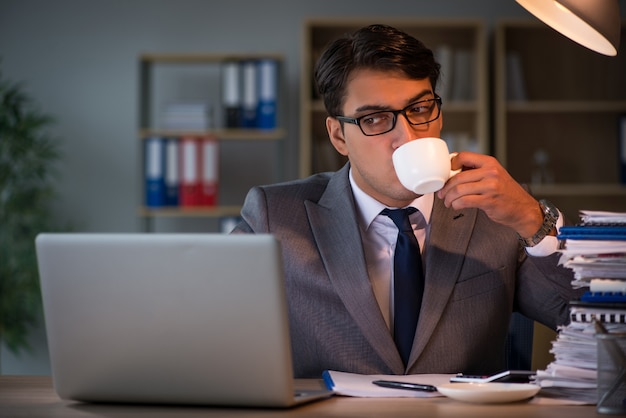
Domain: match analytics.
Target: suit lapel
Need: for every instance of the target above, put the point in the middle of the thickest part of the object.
(450, 232)
(336, 231)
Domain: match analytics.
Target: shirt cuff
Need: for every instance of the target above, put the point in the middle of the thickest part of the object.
(548, 245)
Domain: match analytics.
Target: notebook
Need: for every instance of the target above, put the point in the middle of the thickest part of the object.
(168, 318)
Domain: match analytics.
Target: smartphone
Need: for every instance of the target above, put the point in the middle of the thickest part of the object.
(508, 376)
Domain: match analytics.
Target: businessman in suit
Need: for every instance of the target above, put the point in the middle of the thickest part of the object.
(485, 247)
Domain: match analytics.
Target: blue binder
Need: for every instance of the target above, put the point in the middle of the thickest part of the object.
(171, 177)
(593, 232)
(154, 172)
(268, 92)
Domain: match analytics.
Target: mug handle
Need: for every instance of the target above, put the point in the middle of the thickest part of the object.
(457, 171)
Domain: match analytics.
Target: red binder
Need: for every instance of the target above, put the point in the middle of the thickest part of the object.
(190, 187)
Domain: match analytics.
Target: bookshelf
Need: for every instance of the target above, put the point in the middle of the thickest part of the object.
(557, 110)
(461, 42)
(166, 78)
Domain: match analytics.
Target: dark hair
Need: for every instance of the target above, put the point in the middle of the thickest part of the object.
(378, 47)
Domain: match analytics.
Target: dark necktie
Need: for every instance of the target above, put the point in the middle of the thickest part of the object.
(408, 284)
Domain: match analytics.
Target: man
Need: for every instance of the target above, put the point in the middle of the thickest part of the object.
(379, 89)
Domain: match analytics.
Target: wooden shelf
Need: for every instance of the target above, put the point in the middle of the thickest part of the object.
(189, 212)
(545, 106)
(166, 78)
(574, 99)
(203, 57)
(221, 134)
(579, 189)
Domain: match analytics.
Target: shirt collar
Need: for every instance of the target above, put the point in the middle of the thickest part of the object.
(368, 207)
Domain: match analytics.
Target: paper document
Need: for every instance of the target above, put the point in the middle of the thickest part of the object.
(602, 217)
(360, 385)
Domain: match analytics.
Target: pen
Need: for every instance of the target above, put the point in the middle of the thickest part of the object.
(405, 385)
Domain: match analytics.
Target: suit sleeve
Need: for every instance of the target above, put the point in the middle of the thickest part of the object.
(254, 213)
(544, 290)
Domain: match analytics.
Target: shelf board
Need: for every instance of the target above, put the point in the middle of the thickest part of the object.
(228, 134)
(580, 189)
(588, 106)
(448, 106)
(195, 211)
(204, 57)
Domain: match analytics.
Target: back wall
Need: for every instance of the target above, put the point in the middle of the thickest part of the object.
(79, 60)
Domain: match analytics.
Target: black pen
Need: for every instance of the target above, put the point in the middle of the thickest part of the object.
(405, 385)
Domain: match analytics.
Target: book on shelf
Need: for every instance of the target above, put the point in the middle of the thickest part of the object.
(444, 56)
(463, 76)
(154, 172)
(515, 83)
(596, 252)
(457, 73)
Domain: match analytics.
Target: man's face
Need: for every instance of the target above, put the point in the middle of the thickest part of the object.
(370, 91)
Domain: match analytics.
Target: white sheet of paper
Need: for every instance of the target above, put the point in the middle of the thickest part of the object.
(360, 385)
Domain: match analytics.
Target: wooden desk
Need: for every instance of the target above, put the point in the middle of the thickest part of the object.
(33, 396)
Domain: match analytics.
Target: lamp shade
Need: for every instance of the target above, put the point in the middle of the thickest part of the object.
(594, 24)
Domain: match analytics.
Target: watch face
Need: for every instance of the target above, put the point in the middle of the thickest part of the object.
(548, 208)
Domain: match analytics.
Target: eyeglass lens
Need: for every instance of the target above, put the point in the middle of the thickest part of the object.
(417, 114)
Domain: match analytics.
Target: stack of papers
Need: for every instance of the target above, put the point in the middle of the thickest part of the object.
(573, 374)
(594, 217)
(595, 250)
(192, 116)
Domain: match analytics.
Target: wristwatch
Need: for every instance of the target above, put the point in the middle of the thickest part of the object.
(550, 216)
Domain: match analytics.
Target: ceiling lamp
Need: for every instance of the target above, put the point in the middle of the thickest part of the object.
(594, 24)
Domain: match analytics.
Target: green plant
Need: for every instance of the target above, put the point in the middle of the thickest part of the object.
(27, 158)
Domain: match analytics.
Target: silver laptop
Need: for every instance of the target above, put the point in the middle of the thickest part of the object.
(168, 318)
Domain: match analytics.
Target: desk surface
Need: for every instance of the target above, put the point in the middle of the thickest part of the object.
(33, 396)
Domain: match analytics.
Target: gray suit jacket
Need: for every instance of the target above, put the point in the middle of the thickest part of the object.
(475, 270)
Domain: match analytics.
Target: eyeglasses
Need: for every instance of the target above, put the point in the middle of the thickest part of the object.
(378, 123)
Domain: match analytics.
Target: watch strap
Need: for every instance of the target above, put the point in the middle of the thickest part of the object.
(550, 217)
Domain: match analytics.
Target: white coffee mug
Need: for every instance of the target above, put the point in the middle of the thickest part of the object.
(423, 165)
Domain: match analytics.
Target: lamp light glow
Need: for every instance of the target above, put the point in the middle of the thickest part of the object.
(594, 24)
